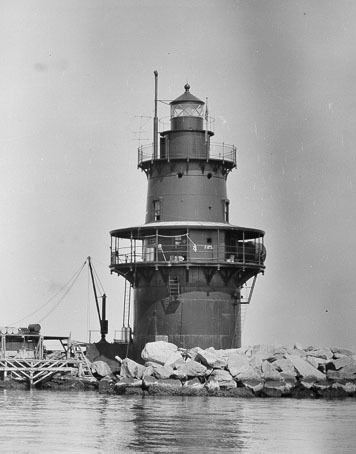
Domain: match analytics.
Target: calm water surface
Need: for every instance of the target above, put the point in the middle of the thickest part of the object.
(87, 422)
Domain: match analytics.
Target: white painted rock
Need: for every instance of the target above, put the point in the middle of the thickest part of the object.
(158, 352)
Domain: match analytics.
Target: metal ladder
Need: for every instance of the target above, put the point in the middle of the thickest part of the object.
(173, 287)
(127, 306)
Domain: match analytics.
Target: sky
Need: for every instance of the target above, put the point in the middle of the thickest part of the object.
(77, 89)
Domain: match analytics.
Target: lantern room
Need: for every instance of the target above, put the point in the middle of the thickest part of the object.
(187, 111)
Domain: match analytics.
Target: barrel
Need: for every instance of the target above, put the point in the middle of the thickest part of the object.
(34, 328)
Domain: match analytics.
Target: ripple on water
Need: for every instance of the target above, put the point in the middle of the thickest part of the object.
(87, 422)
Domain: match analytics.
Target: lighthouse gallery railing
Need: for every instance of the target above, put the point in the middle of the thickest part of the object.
(217, 151)
(245, 252)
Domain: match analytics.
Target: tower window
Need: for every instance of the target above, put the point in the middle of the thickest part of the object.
(157, 210)
(226, 210)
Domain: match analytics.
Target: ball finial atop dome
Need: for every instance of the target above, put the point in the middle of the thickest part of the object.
(187, 87)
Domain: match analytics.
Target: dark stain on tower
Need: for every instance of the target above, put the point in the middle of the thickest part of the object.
(187, 263)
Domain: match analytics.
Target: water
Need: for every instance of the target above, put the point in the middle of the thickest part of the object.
(87, 422)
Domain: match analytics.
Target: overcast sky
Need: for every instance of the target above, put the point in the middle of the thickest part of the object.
(280, 77)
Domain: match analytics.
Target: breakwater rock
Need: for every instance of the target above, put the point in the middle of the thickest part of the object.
(256, 371)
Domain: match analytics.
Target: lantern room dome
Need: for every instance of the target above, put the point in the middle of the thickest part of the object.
(187, 97)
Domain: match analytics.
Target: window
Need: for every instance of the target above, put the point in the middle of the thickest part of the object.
(157, 210)
(226, 210)
(187, 109)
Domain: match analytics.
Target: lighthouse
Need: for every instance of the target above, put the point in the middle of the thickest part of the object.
(187, 264)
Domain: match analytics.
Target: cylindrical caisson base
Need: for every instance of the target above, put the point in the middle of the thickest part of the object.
(195, 318)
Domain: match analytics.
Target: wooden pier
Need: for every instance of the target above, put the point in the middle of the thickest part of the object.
(23, 357)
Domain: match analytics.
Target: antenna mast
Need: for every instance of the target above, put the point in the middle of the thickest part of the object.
(155, 120)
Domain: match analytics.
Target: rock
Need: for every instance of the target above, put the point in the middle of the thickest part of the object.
(341, 351)
(189, 368)
(180, 373)
(251, 378)
(163, 372)
(149, 381)
(158, 352)
(275, 385)
(195, 369)
(271, 392)
(149, 371)
(131, 369)
(167, 387)
(194, 383)
(193, 388)
(211, 359)
(106, 386)
(308, 373)
(347, 373)
(333, 392)
(313, 361)
(224, 378)
(240, 392)
(126, 382)
(299, 392)
(212, 385)
(295, 352)
(100, 368)
(323, 353)
(269, 372)
(236, 362)
(231, 352)
(285, 367)
(298, 346)
(179, 362)
(343, 362)
(192, 352)
(349, 388)
(173, 359)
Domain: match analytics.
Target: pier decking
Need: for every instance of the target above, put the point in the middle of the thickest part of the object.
(23, 357)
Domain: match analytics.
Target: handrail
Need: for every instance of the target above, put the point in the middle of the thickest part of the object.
(217, 151)
(245, 252)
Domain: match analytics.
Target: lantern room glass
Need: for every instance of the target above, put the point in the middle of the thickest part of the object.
(187, 109)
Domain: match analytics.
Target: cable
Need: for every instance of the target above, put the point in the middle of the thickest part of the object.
(51, 298)
(64, 295)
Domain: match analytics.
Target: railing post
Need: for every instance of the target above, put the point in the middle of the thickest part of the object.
(243, 247)
(218, 248)
(131, 247)
(156, 251)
